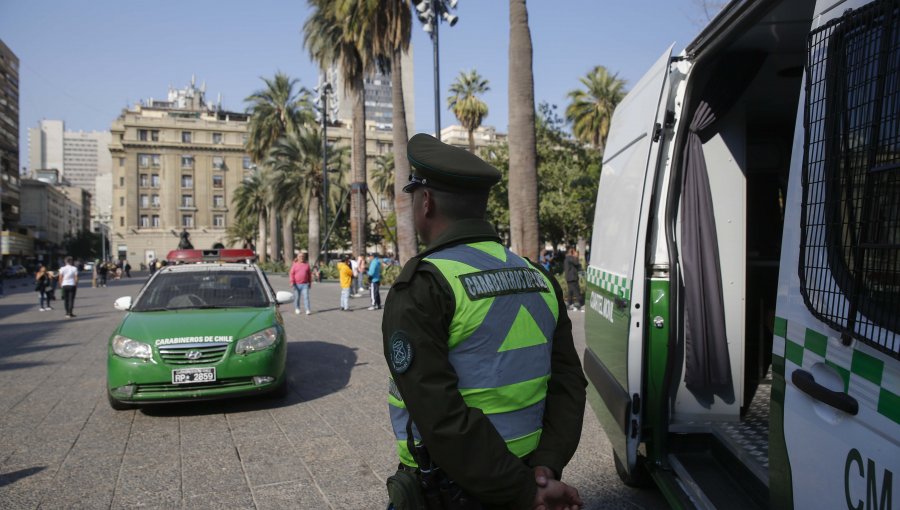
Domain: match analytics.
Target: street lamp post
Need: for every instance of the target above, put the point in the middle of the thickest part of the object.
(430, 12)
(324, 89)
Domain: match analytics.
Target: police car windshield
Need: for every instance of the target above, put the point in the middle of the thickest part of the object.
(202, 290)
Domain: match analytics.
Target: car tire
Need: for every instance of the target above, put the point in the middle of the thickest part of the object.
(118, 405)
(638, 479)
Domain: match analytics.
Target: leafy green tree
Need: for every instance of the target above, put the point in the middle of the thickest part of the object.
(341, 32)
(590, 109)
(465, 103)
(274, 111)
(84, 245)
(251, 201)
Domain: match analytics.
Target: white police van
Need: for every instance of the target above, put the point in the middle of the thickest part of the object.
(743, 328)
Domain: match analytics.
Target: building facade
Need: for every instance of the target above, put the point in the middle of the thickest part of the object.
(49, 216)
(379, 104)
(176, 166)
(81, 157)
(9, 141)
(484, 136)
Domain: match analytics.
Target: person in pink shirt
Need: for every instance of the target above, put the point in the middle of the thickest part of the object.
(301, 279)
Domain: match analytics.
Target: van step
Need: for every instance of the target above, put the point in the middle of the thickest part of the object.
(713, 477)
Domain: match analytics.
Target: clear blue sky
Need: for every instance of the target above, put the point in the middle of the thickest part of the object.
(84, 61)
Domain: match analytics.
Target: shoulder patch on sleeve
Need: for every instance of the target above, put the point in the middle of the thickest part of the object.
(401, 352)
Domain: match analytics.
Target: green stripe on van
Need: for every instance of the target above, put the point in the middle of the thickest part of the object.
(618, 285)
(824, 344)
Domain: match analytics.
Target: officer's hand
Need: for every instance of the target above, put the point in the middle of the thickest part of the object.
(542, 474)
(557, 496)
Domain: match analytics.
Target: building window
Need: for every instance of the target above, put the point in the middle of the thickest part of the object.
(185, 137)
(121, 161)
(145, 220)
(219, 220)
(218, 162)
(145, 201)
(187, 200)
(187, 220)
(154, 159)
(142, 135)
(218, 181)
(155, 200)
(143, 160)
(145, 180)
(121, 201)
(121, 221)
(121, 182)
(217, 137)
(218, 201)
(154, 180)
(246, 163)
(244, 138)
(154, 220)
(187, 181)
(154, 135)
(187, 161)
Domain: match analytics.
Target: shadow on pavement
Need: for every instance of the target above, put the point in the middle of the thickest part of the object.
(8, 478)
(314, 369)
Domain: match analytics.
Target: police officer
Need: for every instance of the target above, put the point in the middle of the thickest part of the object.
(484, 372)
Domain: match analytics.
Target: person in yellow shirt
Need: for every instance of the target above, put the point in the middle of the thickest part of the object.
(346, 273)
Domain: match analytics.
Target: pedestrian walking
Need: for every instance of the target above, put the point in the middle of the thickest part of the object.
(127, 268)
(68, 281)
(354, 265)
(301, 279)
(41, 284)
(374, 273)
(487, 394)
(572, 270)
(346, 275)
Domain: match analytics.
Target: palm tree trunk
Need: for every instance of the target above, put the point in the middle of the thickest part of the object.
(472, 141)
(358, 218)
(273, 233)
(523, 214)
(406, 232)
(287, 235)
(313, 212)
(261, 245)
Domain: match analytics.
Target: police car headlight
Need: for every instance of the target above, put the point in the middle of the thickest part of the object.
(128, 348)
(257, 341)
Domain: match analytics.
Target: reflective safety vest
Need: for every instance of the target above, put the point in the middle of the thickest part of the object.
(500, 342)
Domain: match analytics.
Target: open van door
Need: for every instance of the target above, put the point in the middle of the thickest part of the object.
(614, 323)
(835, 427)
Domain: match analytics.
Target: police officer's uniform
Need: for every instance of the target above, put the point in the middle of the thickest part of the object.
(480, 350)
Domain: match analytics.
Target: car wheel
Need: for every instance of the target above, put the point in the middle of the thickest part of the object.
(118, 405)
(639, 478)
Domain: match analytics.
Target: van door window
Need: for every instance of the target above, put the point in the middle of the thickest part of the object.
(850, 256)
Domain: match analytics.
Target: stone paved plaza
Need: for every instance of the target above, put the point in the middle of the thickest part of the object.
(328, 445)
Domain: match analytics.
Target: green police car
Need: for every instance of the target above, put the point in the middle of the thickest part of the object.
(206, 327)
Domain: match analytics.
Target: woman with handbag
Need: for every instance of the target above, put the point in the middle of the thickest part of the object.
(41, 284)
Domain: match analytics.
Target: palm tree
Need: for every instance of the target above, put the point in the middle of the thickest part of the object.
(383, 176)
(242, 231)
(341, 31)
(250, 203)
(523, 213)
(275, 110)
(464, 103)
(297, 163)
(392, 25)
(591, 109)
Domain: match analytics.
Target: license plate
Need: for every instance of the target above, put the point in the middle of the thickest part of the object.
(193, 375)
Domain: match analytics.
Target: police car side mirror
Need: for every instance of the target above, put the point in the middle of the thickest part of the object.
(283, 296)
(123, 303)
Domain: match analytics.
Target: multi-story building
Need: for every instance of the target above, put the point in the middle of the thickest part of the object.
(379, 104)
(81, 157)
(12, 244)
(176, 166)
(484, 136)
(50, 215)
